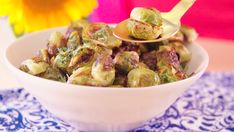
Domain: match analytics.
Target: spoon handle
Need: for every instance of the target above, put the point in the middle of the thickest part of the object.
(179, 10)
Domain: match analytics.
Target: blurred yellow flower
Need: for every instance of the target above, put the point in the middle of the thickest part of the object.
(33, 15)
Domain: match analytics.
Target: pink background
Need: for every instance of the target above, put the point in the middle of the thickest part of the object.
(211, 18)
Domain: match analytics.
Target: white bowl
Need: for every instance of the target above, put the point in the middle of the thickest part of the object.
(94, 108)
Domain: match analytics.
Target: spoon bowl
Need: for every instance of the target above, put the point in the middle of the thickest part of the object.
(169, 29)
(171, 24)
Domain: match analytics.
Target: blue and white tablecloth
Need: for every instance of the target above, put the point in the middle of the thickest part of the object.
(207, 106)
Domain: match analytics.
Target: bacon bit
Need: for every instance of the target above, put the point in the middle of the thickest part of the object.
(171, 58)
(108, 63)
(180, 75)
(52, 50)
(150, 59)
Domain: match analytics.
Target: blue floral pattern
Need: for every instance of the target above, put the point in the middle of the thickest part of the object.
(208, 105)
(19, 111)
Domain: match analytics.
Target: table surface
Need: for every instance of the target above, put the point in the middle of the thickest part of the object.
(221, 53)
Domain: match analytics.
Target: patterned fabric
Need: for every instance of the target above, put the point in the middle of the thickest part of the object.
(207, 106)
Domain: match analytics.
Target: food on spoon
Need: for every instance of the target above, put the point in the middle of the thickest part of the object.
(145, 23)
(147, 15)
